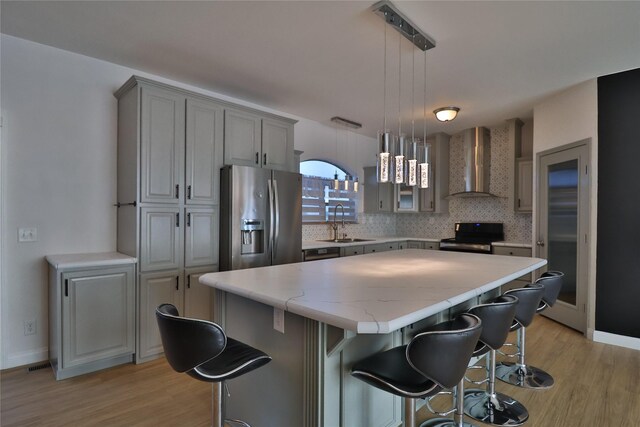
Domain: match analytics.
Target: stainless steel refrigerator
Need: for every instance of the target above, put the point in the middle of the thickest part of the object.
(260, 217)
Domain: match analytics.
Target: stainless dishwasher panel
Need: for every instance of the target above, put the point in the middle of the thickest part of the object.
(321, 253)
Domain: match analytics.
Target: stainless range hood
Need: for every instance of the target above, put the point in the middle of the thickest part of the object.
(477, 163)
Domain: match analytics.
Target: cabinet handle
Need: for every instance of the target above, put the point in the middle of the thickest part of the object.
(518, 202)
(66, 287)
(177, 191)
(189, 219)
(177, 283)
(178, 219)
(257, 158)
(189, 192)
(431, 204)
(380, 204)
(189, 281)
(264, 159)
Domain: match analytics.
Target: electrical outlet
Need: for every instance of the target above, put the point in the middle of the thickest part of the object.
(278, 319)
(30, 327)
(27, 234)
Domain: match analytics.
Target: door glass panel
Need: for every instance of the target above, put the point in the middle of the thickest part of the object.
(563, 225)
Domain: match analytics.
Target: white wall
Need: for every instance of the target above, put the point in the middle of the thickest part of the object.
(567, 117)
(59, 172)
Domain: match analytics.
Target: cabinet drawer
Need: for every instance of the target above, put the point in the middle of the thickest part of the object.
(381, 247)
(432, 245)
(512, 251)
(352, 250)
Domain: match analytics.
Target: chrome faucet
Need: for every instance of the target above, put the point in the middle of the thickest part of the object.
(335, 226)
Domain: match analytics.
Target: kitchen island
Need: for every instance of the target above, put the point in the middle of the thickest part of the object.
(335, 312)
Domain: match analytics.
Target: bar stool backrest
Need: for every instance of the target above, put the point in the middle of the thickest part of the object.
(552, 283)
(528, 300)
(188, 342)
(443, 352)
(497, 318)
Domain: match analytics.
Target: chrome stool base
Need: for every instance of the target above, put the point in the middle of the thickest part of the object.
(523, 376)
(479, 405)
(235, 423)
(445, 422)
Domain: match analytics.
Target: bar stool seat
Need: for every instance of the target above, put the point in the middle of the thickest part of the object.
(202, 350)
(434, 359)
(489, 406)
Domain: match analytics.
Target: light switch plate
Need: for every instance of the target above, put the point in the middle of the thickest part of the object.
(278, 319)
(28, 234)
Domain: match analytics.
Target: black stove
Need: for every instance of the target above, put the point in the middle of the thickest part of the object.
(474, 237)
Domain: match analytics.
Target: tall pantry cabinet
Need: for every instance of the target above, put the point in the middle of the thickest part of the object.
(170, 151)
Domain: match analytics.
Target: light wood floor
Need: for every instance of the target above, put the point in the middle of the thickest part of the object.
(596, 385)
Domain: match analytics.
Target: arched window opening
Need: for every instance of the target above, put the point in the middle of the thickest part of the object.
(319, 199)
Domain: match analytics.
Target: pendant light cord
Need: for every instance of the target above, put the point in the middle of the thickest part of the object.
(384, 83)
(399, 83)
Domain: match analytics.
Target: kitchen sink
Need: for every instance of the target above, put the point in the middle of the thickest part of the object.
(345, 240)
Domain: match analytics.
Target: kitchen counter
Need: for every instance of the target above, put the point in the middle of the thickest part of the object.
(315, 319)
(315, 244)
(374, 293)
(512, 244)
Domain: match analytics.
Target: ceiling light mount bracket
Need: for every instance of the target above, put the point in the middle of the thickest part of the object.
(387, 11)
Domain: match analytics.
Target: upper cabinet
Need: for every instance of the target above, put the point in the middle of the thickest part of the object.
(378, 197)
(520, 136)
(251, 139)
(433, 199)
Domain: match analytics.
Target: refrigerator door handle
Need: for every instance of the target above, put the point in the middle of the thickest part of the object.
(276, 201)
(271, 218)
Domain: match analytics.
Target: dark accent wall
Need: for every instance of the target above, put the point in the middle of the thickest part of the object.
(618, 249)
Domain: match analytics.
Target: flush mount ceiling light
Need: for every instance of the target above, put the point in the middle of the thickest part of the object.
(446, 114)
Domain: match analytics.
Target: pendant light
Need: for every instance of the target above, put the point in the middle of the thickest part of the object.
(384, 166)
(336, 181)
(412, 152)
(423, 167)
(399, 157)
(348, 179)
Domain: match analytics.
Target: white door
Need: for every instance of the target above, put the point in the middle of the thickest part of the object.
(563, 221)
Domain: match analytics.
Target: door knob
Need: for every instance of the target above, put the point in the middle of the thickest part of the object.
(540, 243)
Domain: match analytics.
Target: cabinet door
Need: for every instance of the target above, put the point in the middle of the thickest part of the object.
(515, 251)
(242, 138)
(97, 315)
(426, 200)
(162, 146)
(406, 198)
(201, 237)
(277, 145)
(204, 148)
(524, 201)
(414, 245)
(198, 298)
(155, 289)
(160, 238)
(432, 245)
(352, 250)
(377, 197)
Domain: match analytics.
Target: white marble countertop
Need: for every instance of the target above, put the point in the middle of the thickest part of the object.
(374, 293)
(512, 244)
(89, 260)
(315, 244)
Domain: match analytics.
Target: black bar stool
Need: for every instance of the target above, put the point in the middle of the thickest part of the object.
(520, 374)
(489, 406)
(435, 359)
(202, 350)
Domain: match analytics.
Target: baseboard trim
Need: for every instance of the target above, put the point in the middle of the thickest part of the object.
(614, 339)
(26, 358)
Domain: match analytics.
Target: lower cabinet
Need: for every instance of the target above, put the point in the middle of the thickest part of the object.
(178, 287)
(515, 251)
(381, 247)
(351, 250)
(91, 312)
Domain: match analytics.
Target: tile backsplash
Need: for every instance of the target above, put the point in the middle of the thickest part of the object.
(517, 227)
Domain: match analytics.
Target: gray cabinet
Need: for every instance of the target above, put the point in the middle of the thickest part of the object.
(161, 145)
(524, 185)
(433, 199)
(204, 151)
(170, 151)
(253, 140)
(431, 245)
(91, 312)
(515, 251)
(381, 247)
(351, 250)
(406, 198)
(378, 197)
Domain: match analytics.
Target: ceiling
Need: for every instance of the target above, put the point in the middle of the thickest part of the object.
(494, 60)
